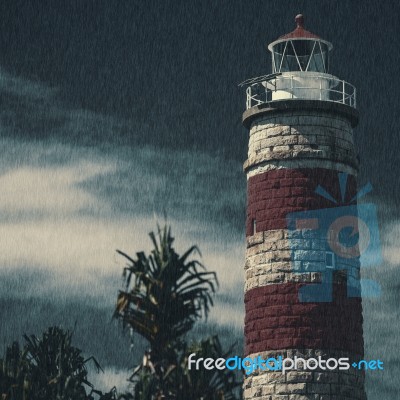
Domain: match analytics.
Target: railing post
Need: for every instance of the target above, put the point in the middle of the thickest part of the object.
(343, 100)
(320, 88)
(355, 99)
(250, 97)
(291, 85)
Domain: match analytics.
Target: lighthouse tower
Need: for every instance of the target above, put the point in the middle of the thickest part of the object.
(302, 290)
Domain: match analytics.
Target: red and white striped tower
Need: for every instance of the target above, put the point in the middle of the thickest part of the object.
(300, 120)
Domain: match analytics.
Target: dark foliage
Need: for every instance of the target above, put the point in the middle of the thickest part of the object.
(164, 295)
(47, 368)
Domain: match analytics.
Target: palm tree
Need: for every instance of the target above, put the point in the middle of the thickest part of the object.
(13, 382)
(164, 295)
(56, 368)
(203, 383)
(47, 367)
(180, 383)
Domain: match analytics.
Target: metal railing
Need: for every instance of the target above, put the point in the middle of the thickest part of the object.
(286, 87)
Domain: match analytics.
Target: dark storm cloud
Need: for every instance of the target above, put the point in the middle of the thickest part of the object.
(170, 69)
(42, 131)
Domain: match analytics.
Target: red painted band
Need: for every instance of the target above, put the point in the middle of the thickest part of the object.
(276, 319)
(273, 194)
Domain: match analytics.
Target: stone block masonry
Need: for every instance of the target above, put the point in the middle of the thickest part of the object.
(291, 152)
(311, 138)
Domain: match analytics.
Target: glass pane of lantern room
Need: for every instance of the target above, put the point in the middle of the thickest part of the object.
(277, 60)
(303, 49)
(319, 58)
(290, 64)
(278, 53)
(290, 61)
(325, 56)
(316, 63)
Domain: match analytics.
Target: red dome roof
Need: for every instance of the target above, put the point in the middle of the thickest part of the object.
(299, 32)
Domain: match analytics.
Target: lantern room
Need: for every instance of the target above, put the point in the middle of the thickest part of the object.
(300, 71)
(300, 50)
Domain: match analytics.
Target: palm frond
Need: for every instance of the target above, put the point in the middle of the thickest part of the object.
(169, 290)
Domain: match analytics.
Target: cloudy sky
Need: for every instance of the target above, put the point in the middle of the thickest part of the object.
(115, 114)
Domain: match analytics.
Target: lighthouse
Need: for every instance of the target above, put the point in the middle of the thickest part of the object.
(302, 269)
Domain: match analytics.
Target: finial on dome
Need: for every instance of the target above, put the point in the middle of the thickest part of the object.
(300, 32)
(299, 20)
